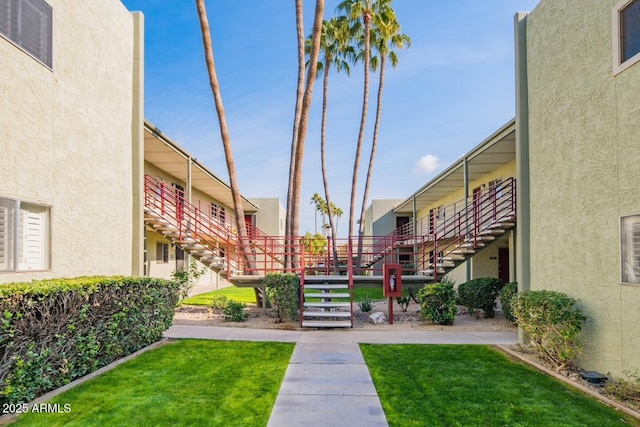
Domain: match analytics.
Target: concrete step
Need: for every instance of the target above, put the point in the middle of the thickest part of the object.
(325, 286)
(491, 232)
(326, 324)
(328, 304)
(343, 314)
(326, 295)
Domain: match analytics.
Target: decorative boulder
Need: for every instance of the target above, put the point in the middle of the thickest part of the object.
(378, 318)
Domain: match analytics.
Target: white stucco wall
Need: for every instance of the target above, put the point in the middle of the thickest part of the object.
(67, 136)
(584, 173)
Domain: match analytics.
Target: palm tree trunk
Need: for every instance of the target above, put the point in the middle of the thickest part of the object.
(323, 160)
(238, 208)
(372, 157)
(363, 122)
(304, 119)
(296, 124)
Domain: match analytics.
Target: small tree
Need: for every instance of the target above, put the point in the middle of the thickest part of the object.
(480, 294)
(283, 291)
(187, 277)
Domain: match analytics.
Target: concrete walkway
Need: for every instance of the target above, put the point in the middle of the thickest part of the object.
(327, 382)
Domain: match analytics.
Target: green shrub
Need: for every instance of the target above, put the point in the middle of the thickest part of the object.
(54, 331)
(553, 323)
(234, 312)
(480, 294)
(365, 304)
(507, 293)
(404, 301)
(438, 302)
(283, 291)
(218, 302)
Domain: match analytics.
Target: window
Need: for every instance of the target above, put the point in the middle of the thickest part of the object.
(496, 187)
(24, 236)
(162, 252)
(626, 33)
(28, 24)
(218, 213)
(630, 248)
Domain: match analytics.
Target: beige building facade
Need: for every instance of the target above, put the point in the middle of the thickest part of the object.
(71, 80)
(578, 126)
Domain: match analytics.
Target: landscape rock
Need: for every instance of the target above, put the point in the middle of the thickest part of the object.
(378, 318)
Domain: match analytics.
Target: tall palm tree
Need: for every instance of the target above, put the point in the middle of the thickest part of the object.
(296, 124)
(356, 11)
(316, 200)
(226, 139)
(304, 121)
(336, 48)
(386, 36)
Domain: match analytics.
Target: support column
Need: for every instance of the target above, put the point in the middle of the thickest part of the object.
(138, 245)
(465, 170)
(523, 225)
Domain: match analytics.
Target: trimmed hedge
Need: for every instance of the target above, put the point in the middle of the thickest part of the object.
(54, 331)
(507, 294)
(438, 302)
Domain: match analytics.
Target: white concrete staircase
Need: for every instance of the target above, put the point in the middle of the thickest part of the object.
(327, 303)
(456, 255)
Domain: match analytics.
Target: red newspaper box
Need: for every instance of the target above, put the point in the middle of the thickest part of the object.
(392, 286)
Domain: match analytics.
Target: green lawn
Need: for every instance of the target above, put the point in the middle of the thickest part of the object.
(448, 385)
(247, 295)
(186, 383)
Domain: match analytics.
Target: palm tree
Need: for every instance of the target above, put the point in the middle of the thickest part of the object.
(294, 224)
(356, 11)
(386, 36)
(226, 139)
(316, 200)
(335, 46)
(296, 124)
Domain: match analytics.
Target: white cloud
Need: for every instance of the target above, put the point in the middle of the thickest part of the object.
(426, 165)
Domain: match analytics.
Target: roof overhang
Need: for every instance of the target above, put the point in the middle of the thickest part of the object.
(165, 154)
(494, 152)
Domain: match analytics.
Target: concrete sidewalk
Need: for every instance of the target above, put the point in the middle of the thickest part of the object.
(341, 336)
(327, 382)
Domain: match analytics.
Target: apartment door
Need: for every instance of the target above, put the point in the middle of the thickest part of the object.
(250, 222)
(432, 220)
(179, 195)
(503, 264)
(401, 224)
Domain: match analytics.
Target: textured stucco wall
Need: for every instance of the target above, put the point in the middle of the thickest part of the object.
(584, 157)
(66, 137)
(271, 215)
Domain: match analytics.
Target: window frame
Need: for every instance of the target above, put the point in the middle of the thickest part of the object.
(619, 65)
(47, 59)
(162, 253)
(626, 233)
(17, 238)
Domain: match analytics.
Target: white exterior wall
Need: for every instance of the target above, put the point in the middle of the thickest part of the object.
(67, 137)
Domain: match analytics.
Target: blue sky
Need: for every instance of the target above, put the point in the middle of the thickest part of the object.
(452, 88)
